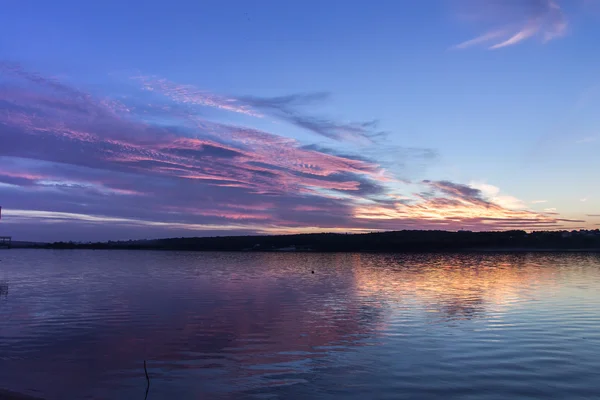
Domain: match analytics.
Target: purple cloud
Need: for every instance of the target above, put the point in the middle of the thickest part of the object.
(75, 160)
(289, 108)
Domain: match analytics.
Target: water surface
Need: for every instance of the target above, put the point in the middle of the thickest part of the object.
(79, 324)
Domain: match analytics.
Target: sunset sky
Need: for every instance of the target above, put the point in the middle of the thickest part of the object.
(146, 119)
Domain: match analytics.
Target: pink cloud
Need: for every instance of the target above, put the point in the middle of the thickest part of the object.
(81, 148)
(242, 157)
(188, 94)
(460, 206)
(309, 208)
(525, 20)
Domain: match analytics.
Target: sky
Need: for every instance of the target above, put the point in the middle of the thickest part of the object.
(148, 119)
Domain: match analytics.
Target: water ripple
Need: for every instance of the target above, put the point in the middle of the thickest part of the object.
(78, 324)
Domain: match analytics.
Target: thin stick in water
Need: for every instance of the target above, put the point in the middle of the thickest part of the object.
(147, 380)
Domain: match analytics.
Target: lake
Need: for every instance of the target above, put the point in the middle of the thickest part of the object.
(79, 325)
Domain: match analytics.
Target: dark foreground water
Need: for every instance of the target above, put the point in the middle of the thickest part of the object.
(79, 324)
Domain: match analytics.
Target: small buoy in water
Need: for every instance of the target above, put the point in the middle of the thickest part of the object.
(313, 272)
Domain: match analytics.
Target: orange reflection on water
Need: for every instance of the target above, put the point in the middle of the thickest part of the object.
(456, 285)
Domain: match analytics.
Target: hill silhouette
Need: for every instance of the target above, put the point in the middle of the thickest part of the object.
(397, 241)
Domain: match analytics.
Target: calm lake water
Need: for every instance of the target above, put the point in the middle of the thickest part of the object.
(79, 324)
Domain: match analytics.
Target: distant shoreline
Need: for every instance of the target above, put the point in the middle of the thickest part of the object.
(378, 242)
(465, 250)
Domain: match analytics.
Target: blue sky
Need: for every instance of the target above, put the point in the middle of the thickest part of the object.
(387, 115)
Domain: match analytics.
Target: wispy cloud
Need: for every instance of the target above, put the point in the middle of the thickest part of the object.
(188, 94)
(485, 38)
(289, 108)
(456, 206)
(538, 201)
(523, 20)
(492, 193)
(74, 158)
(218, 154)
(58, 217)
(69, 146)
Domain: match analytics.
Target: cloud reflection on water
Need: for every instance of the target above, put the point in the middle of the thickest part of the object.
(216, 323)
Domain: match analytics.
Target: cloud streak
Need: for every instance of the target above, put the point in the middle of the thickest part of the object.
(457, 206)
(523, 20)
(189, 94)
(290, 108)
